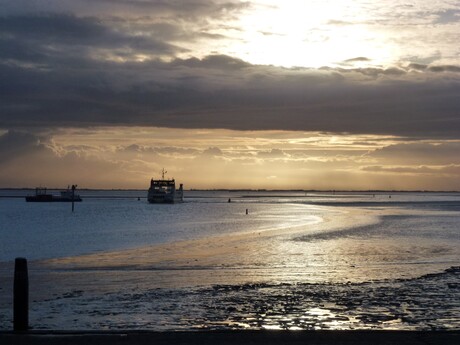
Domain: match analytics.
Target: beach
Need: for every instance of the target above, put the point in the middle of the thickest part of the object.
(341, 267)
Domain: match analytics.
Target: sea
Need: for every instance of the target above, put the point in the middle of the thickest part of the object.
(239, 259)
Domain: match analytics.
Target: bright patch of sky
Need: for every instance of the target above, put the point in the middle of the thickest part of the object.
(333, 33)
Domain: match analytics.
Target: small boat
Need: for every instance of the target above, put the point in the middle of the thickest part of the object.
(41, 195)
(163, 191)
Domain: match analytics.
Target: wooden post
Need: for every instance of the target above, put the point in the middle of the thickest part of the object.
(21, 295)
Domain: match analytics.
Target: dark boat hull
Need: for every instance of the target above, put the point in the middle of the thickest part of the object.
(50, 198)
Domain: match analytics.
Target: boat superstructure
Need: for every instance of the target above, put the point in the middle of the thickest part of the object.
(163, 191)
(42, 195)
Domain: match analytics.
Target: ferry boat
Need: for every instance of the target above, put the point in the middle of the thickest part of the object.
(41, 195)
(164, 191)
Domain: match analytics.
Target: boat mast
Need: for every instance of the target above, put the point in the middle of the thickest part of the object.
(163, 172)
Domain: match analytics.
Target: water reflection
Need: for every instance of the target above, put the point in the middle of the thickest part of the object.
(360, 268)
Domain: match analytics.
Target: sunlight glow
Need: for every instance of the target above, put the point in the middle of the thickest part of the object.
(310, 34)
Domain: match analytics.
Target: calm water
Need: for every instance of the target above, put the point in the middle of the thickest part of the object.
(104, 223)
(322, 261)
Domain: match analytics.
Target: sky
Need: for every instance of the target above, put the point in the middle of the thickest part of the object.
(319, 94)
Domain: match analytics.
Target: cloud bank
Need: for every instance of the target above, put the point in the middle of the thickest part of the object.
(129, 157)
(64, 65)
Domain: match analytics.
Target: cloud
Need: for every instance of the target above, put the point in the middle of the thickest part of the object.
(219, 62)
(188, 10)
(273, 153)
(50, 39)
(221, 92)
(446, 68)
(212, 152)
(69, 64)
(14, 143)
(128, 158)
(355, 61)
(28, 160)
(358, 59)
(451, 169)
(448, 16)
(160, 150)
(420, 153)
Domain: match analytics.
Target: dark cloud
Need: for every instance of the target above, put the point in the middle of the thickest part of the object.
(183, 10)
(220, 62)
(15, 143)
(55, 39)
(357, 59)
(61, 70)
(221, 92)
(447, 68)
(417, 66)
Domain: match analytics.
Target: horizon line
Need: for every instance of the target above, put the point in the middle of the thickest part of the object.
(257, 190)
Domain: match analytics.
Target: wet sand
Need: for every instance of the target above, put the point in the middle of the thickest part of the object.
(339, 247)
(240, 249)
